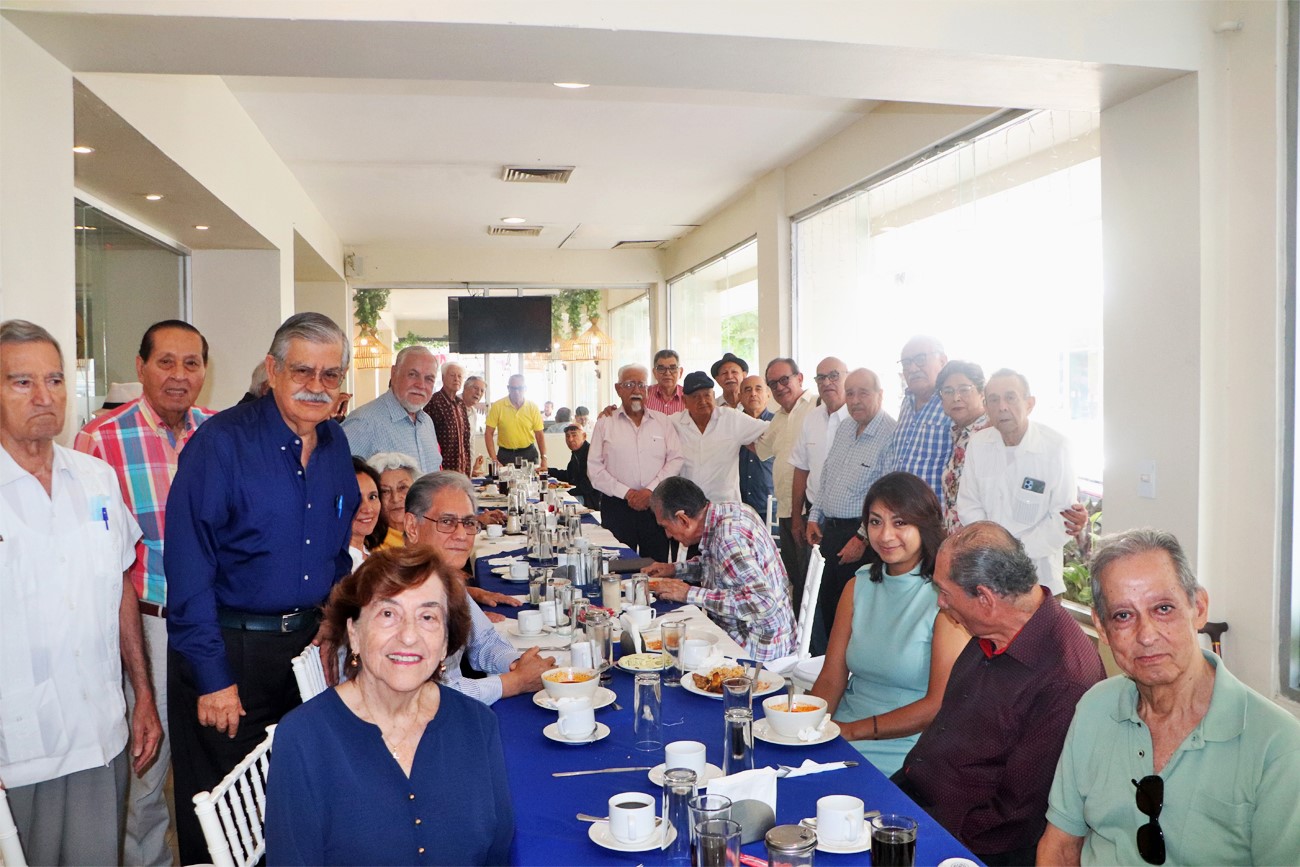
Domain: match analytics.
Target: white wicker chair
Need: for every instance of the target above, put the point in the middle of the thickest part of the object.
(309, 672)
(808, 606)
(11, 848)
(234, 813)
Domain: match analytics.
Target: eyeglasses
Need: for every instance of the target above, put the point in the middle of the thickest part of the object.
(833, 376)
(631, 384)
(664, 368)
(950, 391)
(447, 524)
(918, 360)
(780, 381)
(302, 375)
(1151, 800)
(516, 387)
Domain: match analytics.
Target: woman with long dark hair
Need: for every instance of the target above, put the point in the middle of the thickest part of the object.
(890, 649)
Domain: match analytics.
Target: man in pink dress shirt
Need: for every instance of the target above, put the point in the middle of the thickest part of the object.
(665, 395)
(632, 451)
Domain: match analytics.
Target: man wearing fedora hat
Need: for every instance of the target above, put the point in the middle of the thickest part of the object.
(729, 371)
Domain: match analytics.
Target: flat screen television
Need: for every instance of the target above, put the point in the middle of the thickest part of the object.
(501, 324)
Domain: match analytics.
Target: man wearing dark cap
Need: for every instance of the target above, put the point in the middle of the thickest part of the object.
(730, 370)
(710, 437)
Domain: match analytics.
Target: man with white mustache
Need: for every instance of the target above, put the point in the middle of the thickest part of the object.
(632, 451)
(259, 519)
(396, 421)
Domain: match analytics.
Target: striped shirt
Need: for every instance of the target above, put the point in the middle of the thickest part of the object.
(743, 582)
(922, 442)
(655, 401)
(488, 652)
(853, 463)
(383, 425)
(143, 452)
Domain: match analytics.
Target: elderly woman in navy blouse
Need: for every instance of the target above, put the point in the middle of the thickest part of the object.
(389, 768)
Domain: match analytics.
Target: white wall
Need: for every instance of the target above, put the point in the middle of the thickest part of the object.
(37, 256)
(237, 307)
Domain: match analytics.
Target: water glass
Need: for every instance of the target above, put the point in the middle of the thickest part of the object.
(673, 632)
(705, 807)
(647, 714)
(717, 843)
(600, 631)
(679, 788)
(574, 523)
(738, 741)
(564, 613)
(640, 589)
(738, 694)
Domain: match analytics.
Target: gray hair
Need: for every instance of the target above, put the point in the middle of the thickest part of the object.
(259, 384)
(313, 328)
(22, 331)
(413, 349)
(634, 366)
(794, 365)
(678, 494)
(1130, 543)
(968, 369)
(421, 494)
(382, 462)
(1006, 371)
(474, 378)
(985, 554)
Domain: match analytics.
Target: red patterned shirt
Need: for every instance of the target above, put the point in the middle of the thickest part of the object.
(451, 425)
(655, 401)
(952, 470)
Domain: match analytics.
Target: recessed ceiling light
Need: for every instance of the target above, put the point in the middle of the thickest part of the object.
(201, 228)
(513, 220)
(570, 85)
(154, 197)
(83, 149)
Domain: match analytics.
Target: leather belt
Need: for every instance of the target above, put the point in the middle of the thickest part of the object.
(152, 610)
(291, 621)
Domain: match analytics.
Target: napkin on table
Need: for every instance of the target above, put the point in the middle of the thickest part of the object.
(811, 767)
(753, 800)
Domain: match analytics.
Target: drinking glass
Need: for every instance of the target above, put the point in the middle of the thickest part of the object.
(599, 631)
(673, 633)
(564, 614)
(574, 523)
(679, 788)
(640, 589)
(611, 592)
(893, 841)
(647, 723)
(738, 742)
(717, 843)
(706, 807)
(738, 693)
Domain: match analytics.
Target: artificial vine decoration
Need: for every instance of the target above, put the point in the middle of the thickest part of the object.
(570, 308)
(369, 303)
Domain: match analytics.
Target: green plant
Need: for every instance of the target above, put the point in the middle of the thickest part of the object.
(368, 304)
(413, 339)
(1078, 580)
(568, 310)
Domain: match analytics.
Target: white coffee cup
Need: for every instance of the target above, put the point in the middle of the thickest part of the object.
(840, 819)
(530, 622)
(548, 611)
(495, 531)
(631, 816)
(640, 615)
(685, 754)
(694, 652)
(577, 720)
(519, 570)
(581, 654)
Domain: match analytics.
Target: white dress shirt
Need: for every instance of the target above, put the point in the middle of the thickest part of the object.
(996, 485)
(782, 432)
(626, 456)
(814, 442)
(62, 557)
(709, 458)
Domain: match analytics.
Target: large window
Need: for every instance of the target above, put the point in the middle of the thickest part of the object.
(629, 328)
(713, 309)
(993, 245)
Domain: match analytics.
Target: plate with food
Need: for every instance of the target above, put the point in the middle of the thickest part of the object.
(709, 682)
(635, 662)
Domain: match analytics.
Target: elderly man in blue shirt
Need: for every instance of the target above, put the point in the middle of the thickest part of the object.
(258, 523)
(396, 421)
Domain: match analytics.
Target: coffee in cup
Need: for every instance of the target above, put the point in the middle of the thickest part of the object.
(631, 816)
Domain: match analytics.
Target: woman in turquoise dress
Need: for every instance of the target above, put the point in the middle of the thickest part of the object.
(890, 649)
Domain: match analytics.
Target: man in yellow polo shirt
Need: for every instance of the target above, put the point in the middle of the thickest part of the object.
(520, 424)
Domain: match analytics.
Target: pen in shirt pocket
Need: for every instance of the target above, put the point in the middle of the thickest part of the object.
(338, 505)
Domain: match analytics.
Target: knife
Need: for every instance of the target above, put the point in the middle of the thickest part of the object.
(598, 771)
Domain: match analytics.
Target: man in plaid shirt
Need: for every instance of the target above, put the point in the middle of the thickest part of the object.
(741, 581)
(142, 442)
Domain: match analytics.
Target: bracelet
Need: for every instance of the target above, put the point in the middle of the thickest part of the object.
(875, 729)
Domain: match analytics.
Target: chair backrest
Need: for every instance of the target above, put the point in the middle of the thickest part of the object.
(808, 605)
(11, 848)
(233, 814)
(309, 672)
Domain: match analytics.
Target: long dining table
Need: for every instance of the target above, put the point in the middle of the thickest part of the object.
(546, 807)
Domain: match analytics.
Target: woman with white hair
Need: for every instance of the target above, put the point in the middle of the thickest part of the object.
(397, 472)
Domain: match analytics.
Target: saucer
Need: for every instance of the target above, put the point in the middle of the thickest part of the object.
(862, 844)
(552, 731)
(765, 732)
(599, 834)
(514, 630)
(711, 773)
(603, 698)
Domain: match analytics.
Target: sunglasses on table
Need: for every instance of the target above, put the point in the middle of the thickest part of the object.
(1150, 801)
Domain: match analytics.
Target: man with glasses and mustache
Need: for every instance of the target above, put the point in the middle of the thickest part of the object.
(1177, 762)
(633, 450)
(666, 395)
(396, 421)
(258, 523)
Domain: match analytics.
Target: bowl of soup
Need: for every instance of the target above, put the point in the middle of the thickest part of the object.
(568, 681)
(808, 712)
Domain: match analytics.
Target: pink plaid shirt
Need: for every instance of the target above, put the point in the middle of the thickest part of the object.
(743, 581)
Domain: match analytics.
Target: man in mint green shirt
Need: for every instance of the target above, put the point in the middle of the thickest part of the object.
(1179, 762)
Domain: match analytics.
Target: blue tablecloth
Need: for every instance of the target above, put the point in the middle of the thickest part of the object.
(548, 832)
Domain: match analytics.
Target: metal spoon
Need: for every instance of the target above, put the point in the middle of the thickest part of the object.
(587, 817)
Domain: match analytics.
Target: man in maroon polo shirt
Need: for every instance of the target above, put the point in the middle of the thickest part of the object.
(984, 766)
